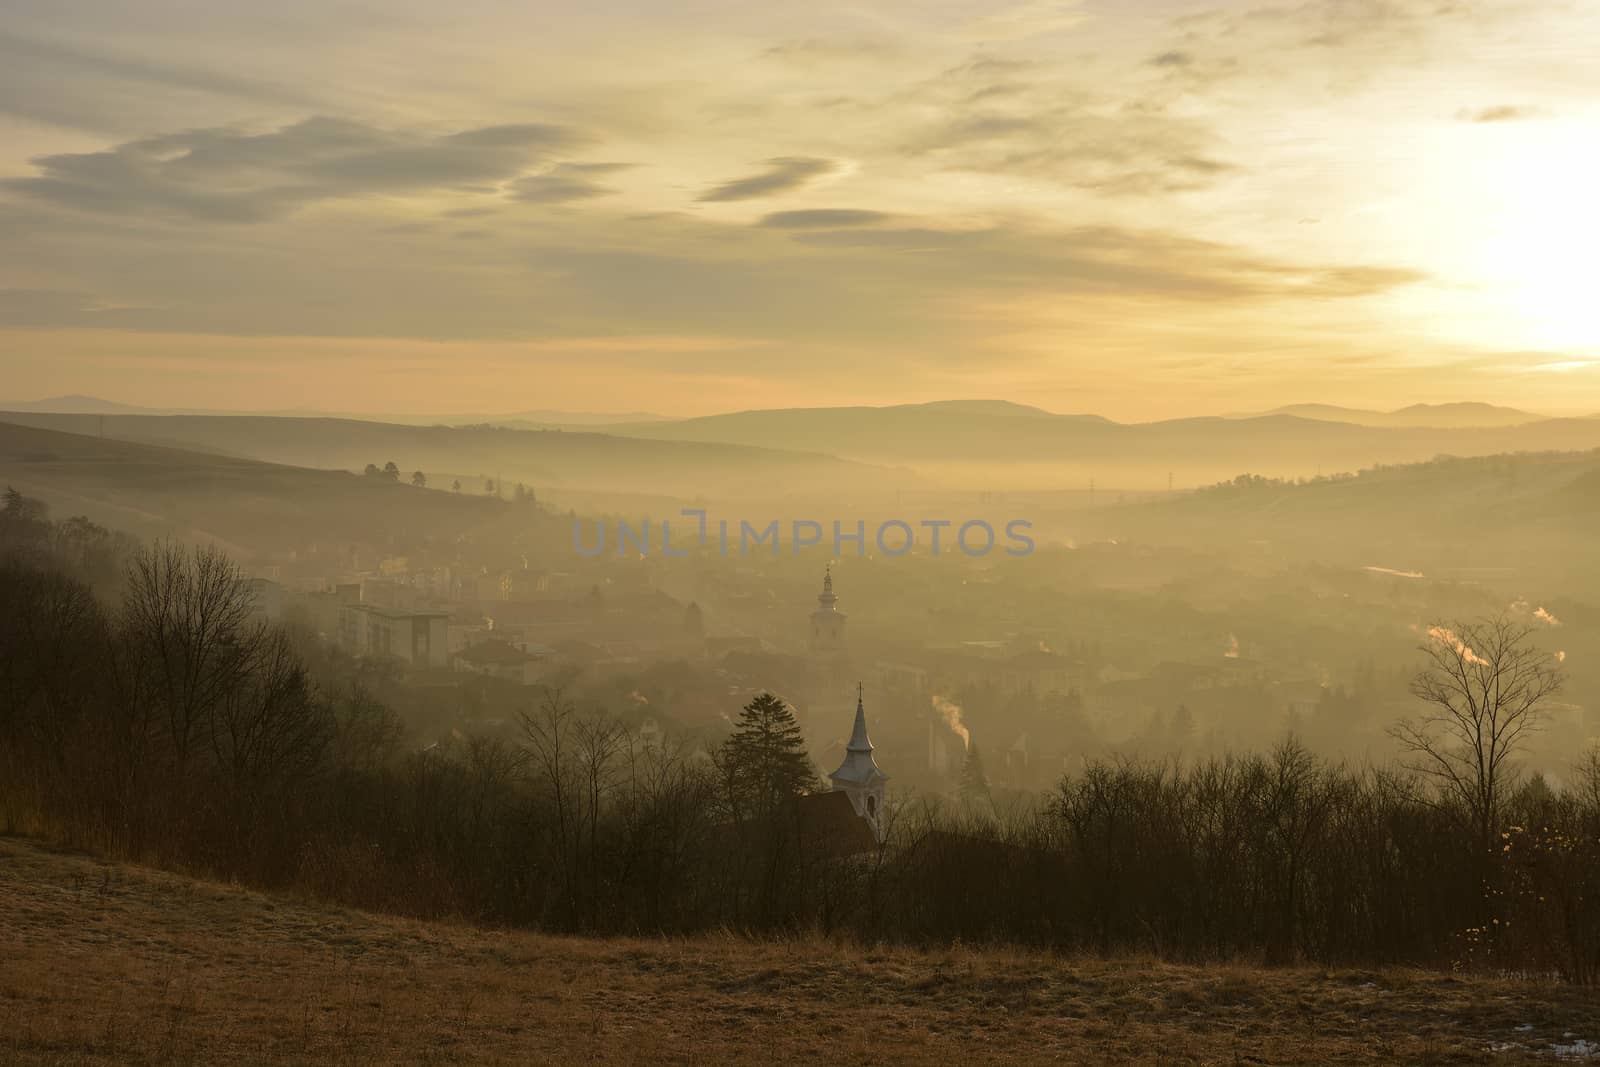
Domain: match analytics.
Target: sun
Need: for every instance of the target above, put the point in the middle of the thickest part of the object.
(1538, 253)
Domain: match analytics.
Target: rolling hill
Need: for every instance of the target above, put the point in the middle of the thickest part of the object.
(1528, 514)
(998, 448)
(248, 506)
(542, 458)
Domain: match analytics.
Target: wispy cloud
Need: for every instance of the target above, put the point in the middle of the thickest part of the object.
(782, 175)
(1498, 113)
(564, 183)
(227, 175)
(823, 218)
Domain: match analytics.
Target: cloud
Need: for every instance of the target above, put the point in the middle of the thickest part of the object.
(1359, 281)
(782, 175)
(814, 50)
(1499, 113)
(1122, 154)
(1021, 120)
(1172, 59)
(565, 183)
(59, 308)
(227, 175)
(49, 81)
(822, 218)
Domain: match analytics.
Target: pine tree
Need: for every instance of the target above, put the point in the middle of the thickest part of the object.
(765, 760)
(974, 786)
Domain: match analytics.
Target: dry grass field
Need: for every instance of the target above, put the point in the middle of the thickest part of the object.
(114, 964)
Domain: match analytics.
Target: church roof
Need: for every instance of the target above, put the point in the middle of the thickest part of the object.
(828, 823)
(858, 766)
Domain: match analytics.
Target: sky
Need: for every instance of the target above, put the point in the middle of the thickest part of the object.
(1139, 209)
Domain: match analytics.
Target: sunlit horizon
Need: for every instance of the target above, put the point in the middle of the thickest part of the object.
(1141, 211)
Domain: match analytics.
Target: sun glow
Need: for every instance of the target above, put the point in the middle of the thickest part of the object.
(1538, 255)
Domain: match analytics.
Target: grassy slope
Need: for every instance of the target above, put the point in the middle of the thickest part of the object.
(111, 964)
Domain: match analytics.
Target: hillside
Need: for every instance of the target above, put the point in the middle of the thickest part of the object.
(1531, 513)
(104, 963)
(546, 458)
(247, 505)
(963, 445)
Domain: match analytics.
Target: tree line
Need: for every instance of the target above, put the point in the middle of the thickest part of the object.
(148, 713)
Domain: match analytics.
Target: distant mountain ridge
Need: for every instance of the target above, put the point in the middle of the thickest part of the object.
(1456, 415)
(994, 448)
(978, 444)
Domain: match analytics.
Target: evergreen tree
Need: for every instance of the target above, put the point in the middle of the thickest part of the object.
(1180, 729)
(974, 786)
(765, 760)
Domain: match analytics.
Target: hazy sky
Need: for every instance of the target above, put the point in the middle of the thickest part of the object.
(1139, 209)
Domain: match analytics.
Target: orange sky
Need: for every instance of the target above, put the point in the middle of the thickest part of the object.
(1138, 209)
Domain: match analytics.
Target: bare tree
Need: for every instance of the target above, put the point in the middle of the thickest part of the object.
(272, 728)
(547, 737)
(1486, 685)
(188, 613)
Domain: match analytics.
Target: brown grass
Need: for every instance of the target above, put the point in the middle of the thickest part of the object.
(110, 964)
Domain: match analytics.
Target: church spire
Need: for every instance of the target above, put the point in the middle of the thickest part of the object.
(858, 766)
(827, 599)
(858, 735)
(858, 776)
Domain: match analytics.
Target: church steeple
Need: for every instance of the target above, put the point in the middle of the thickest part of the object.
(827, 622)
(858, 736)
(859, 776)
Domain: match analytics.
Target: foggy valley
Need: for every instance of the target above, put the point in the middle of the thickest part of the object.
(1040, 531)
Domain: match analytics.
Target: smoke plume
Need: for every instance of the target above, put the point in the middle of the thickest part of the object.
(951, 713)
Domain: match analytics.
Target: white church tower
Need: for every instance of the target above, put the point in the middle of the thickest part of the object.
(827, 622)
(858, 777)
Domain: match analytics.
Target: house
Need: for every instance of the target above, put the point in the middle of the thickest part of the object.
(415, 637)
(501, 659)
(266, 598)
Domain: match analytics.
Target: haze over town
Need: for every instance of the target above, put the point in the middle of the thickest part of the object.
(929, 531)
